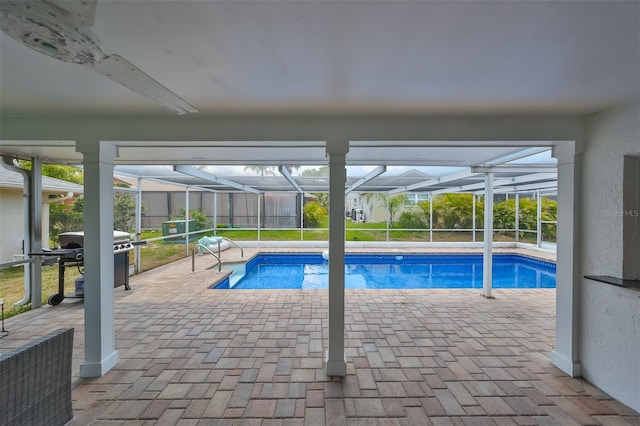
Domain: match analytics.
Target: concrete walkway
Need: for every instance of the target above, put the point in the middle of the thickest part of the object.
(192, 356)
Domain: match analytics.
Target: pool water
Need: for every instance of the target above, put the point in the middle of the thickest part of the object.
(362, 271)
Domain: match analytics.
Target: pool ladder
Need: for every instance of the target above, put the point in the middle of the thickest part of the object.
(217, 256)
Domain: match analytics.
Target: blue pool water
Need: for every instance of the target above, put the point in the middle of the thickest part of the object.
(391, 271)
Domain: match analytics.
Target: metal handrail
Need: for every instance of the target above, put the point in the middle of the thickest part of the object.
(193, 257)
(234, 243)
(15, 263)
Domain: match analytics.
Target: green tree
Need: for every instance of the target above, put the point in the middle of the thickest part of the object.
(319, 172)
(527, 214)
(549, 214)
(322, 198)
(66, 173)
(452, 211)
(504, 214)
(124, 211)
(262, 170)
(394, 204)
(65, 218)
(322, 175)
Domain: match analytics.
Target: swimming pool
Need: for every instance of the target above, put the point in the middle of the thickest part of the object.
(391, 271)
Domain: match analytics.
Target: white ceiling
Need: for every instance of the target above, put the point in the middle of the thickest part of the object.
(354, 57)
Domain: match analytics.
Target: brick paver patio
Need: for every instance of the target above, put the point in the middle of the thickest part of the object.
(193, 356)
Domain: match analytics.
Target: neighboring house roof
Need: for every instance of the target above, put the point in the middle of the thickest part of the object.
(413, 173)
(11, 179)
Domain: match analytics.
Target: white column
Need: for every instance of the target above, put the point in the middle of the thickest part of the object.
(138, 231)
(337, 152)
(215, 213)
(517, 218)
(473, 217)
(487, 258)
(99, 334)
(259, 216)
(388, 215)
(302, 216)
(186, 219)
(431, 218)
(538, 219)
(35, 189)
(566, 354)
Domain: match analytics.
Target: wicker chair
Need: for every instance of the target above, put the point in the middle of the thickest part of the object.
(35, 381)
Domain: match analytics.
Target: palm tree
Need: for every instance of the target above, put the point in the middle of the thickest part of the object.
(263, 170)
(394, 205)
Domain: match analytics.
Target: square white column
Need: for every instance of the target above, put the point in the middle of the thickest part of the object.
(566, 356)
(337, 152)
(99, 337)
(487, 257)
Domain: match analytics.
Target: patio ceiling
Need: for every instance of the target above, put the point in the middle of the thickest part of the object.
(339, 58)
(343, 57)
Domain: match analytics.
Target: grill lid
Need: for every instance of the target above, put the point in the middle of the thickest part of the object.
(75, 239)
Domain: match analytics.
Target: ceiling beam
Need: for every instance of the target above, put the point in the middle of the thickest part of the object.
(466, 188)
(523, 188)
(284, 171)
(515, 168)
(372, 174)
(516, 156)
(192, 171)
(514, 181)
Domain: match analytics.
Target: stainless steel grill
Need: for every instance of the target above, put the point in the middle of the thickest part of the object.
(71, 254)
(75, 240)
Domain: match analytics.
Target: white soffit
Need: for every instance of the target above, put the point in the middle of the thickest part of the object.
(222, 153)
(61, 152)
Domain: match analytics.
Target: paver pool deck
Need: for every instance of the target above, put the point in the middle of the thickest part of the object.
(194, 356)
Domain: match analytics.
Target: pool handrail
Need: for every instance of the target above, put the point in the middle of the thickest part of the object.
(232, 242)
(193, 257)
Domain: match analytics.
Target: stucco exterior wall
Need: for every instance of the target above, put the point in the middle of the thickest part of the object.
(11, 224)
(610, 316)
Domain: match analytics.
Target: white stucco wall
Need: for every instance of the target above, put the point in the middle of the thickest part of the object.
(610, 316)
(11, 224)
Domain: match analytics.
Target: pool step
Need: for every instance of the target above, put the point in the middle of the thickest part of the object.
(239, 270)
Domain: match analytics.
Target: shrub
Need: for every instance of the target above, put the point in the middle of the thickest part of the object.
(412, 220)
(313, 213)
(201, 219)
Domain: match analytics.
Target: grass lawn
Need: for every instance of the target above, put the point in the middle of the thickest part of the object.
(12, 286)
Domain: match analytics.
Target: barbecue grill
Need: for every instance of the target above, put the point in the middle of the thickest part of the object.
(71, 254)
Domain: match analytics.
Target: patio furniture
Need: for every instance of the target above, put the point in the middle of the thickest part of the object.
(35, 381)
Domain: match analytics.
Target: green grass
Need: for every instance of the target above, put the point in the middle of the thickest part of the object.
(12, 286)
